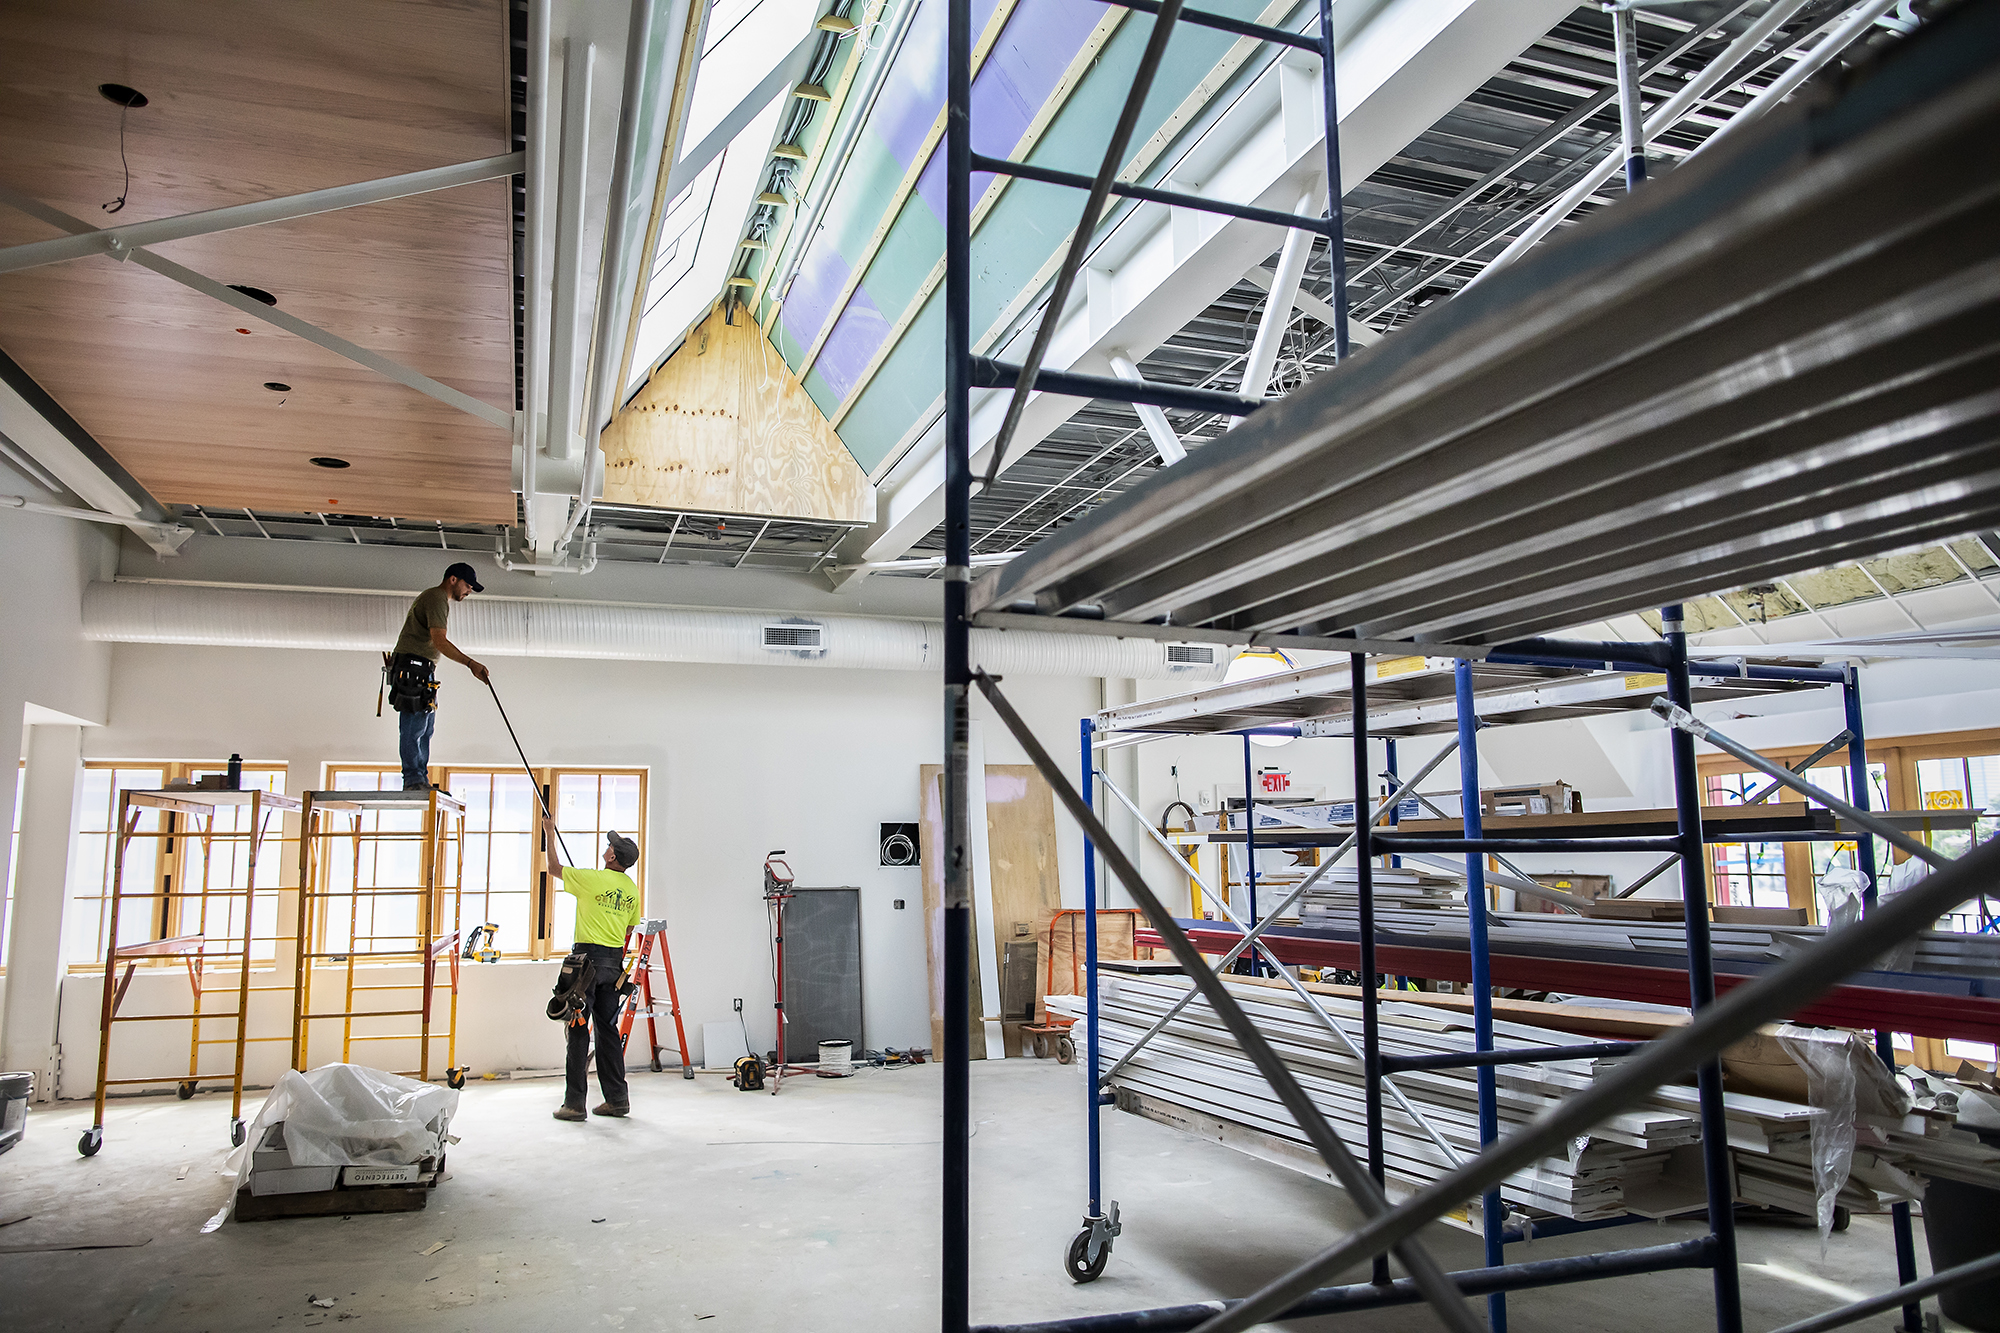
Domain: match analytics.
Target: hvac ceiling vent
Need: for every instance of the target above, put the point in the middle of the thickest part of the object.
(801, 638)
(1191, 655)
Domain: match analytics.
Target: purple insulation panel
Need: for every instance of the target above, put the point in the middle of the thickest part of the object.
(1040, 41)
(852, 344)
(809, 303)
(912, 96)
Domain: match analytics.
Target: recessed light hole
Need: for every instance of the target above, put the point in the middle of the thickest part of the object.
(254, 293)
(276, 387)
(332, 463)
(119, 95)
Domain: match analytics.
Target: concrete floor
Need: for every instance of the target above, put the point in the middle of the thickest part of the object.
(754, 1212)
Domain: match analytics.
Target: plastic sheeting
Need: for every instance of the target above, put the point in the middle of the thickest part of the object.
(347, 1115)
(1845, 1079)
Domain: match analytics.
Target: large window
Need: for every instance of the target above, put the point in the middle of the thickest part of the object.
(1745, 874)
(176, 862)
(1957, 773)
(506, 865)
(588, 805)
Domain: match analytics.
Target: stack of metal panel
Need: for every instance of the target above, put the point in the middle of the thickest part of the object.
(1195, 1066)
(1193, 1076)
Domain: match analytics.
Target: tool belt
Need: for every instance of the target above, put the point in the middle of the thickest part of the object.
(568, 1002)
(413, 683)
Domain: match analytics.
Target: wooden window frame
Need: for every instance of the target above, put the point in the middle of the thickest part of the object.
(541, 943)
(171, 770)
(1898, 756)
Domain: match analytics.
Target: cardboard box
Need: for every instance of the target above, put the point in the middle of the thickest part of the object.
(1548, 798)
(272, 1171)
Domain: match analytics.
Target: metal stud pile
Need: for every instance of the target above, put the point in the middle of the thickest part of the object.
(1193, 1076)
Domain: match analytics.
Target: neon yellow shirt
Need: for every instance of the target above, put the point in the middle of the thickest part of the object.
(607, 905)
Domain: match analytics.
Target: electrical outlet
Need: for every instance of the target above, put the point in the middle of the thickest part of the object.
(739, 1006)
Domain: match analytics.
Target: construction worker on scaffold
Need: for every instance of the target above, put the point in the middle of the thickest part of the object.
(411, 669)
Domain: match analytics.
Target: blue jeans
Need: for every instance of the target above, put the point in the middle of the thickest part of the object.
(415, 730)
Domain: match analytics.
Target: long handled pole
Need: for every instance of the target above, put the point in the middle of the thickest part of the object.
(532, 782)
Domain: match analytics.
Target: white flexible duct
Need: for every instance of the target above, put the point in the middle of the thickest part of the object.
(524, 627)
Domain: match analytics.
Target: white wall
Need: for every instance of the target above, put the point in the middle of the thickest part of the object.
(46, 667)
(741, 761)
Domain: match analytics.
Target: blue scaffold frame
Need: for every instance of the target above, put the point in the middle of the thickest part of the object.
(1717, 1248)
(1293, 1297)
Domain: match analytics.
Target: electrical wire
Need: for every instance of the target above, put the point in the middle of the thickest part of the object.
(781, 179)
(124, 110)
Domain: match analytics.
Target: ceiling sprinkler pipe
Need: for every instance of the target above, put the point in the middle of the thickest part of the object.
(503, 626)
(611, 278)
(534, 393)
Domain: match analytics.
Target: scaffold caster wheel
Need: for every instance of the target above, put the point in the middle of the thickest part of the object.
(236, 1132)
(1065, 1050)
(184, 1090)
(1078, 1263)
(455, 1077)
(1841, 1217)
(92, 1140)
(1091, 1249)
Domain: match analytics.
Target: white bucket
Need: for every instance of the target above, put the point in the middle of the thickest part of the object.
(836, 1059)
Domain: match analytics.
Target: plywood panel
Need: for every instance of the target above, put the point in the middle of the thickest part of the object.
(252, 101)
(1021, 848)
(722, 426)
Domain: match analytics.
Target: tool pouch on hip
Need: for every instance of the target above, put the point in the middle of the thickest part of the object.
(412, 684)
(567, 1003)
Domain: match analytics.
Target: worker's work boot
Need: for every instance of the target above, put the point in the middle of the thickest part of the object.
(568, 1112)
(606, 1108)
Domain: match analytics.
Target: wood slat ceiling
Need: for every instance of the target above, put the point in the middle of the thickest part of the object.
(251, 101)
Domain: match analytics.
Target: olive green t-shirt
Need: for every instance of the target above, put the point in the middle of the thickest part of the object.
(607, 905)
(430, 611)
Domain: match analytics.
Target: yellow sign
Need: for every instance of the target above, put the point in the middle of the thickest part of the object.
(1398, 666)
(1649, 680)
(1944, 800)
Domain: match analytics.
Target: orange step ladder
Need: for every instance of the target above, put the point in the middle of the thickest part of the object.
(639, 999)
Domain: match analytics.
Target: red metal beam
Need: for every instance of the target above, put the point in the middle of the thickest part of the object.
(1921, 1013)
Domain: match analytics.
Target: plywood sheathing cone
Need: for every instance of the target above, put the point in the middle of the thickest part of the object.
(723, 427)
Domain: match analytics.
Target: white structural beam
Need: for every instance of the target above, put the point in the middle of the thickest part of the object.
(1833, 39)
(1158, 428)
(256, 309)
(1277, 316)
(1404, 64)
(166, 538)
(784, 76)
(53, 451)
(1361, 335)
(117, 241)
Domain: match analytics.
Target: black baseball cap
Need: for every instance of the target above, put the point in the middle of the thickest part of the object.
(461, 570)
